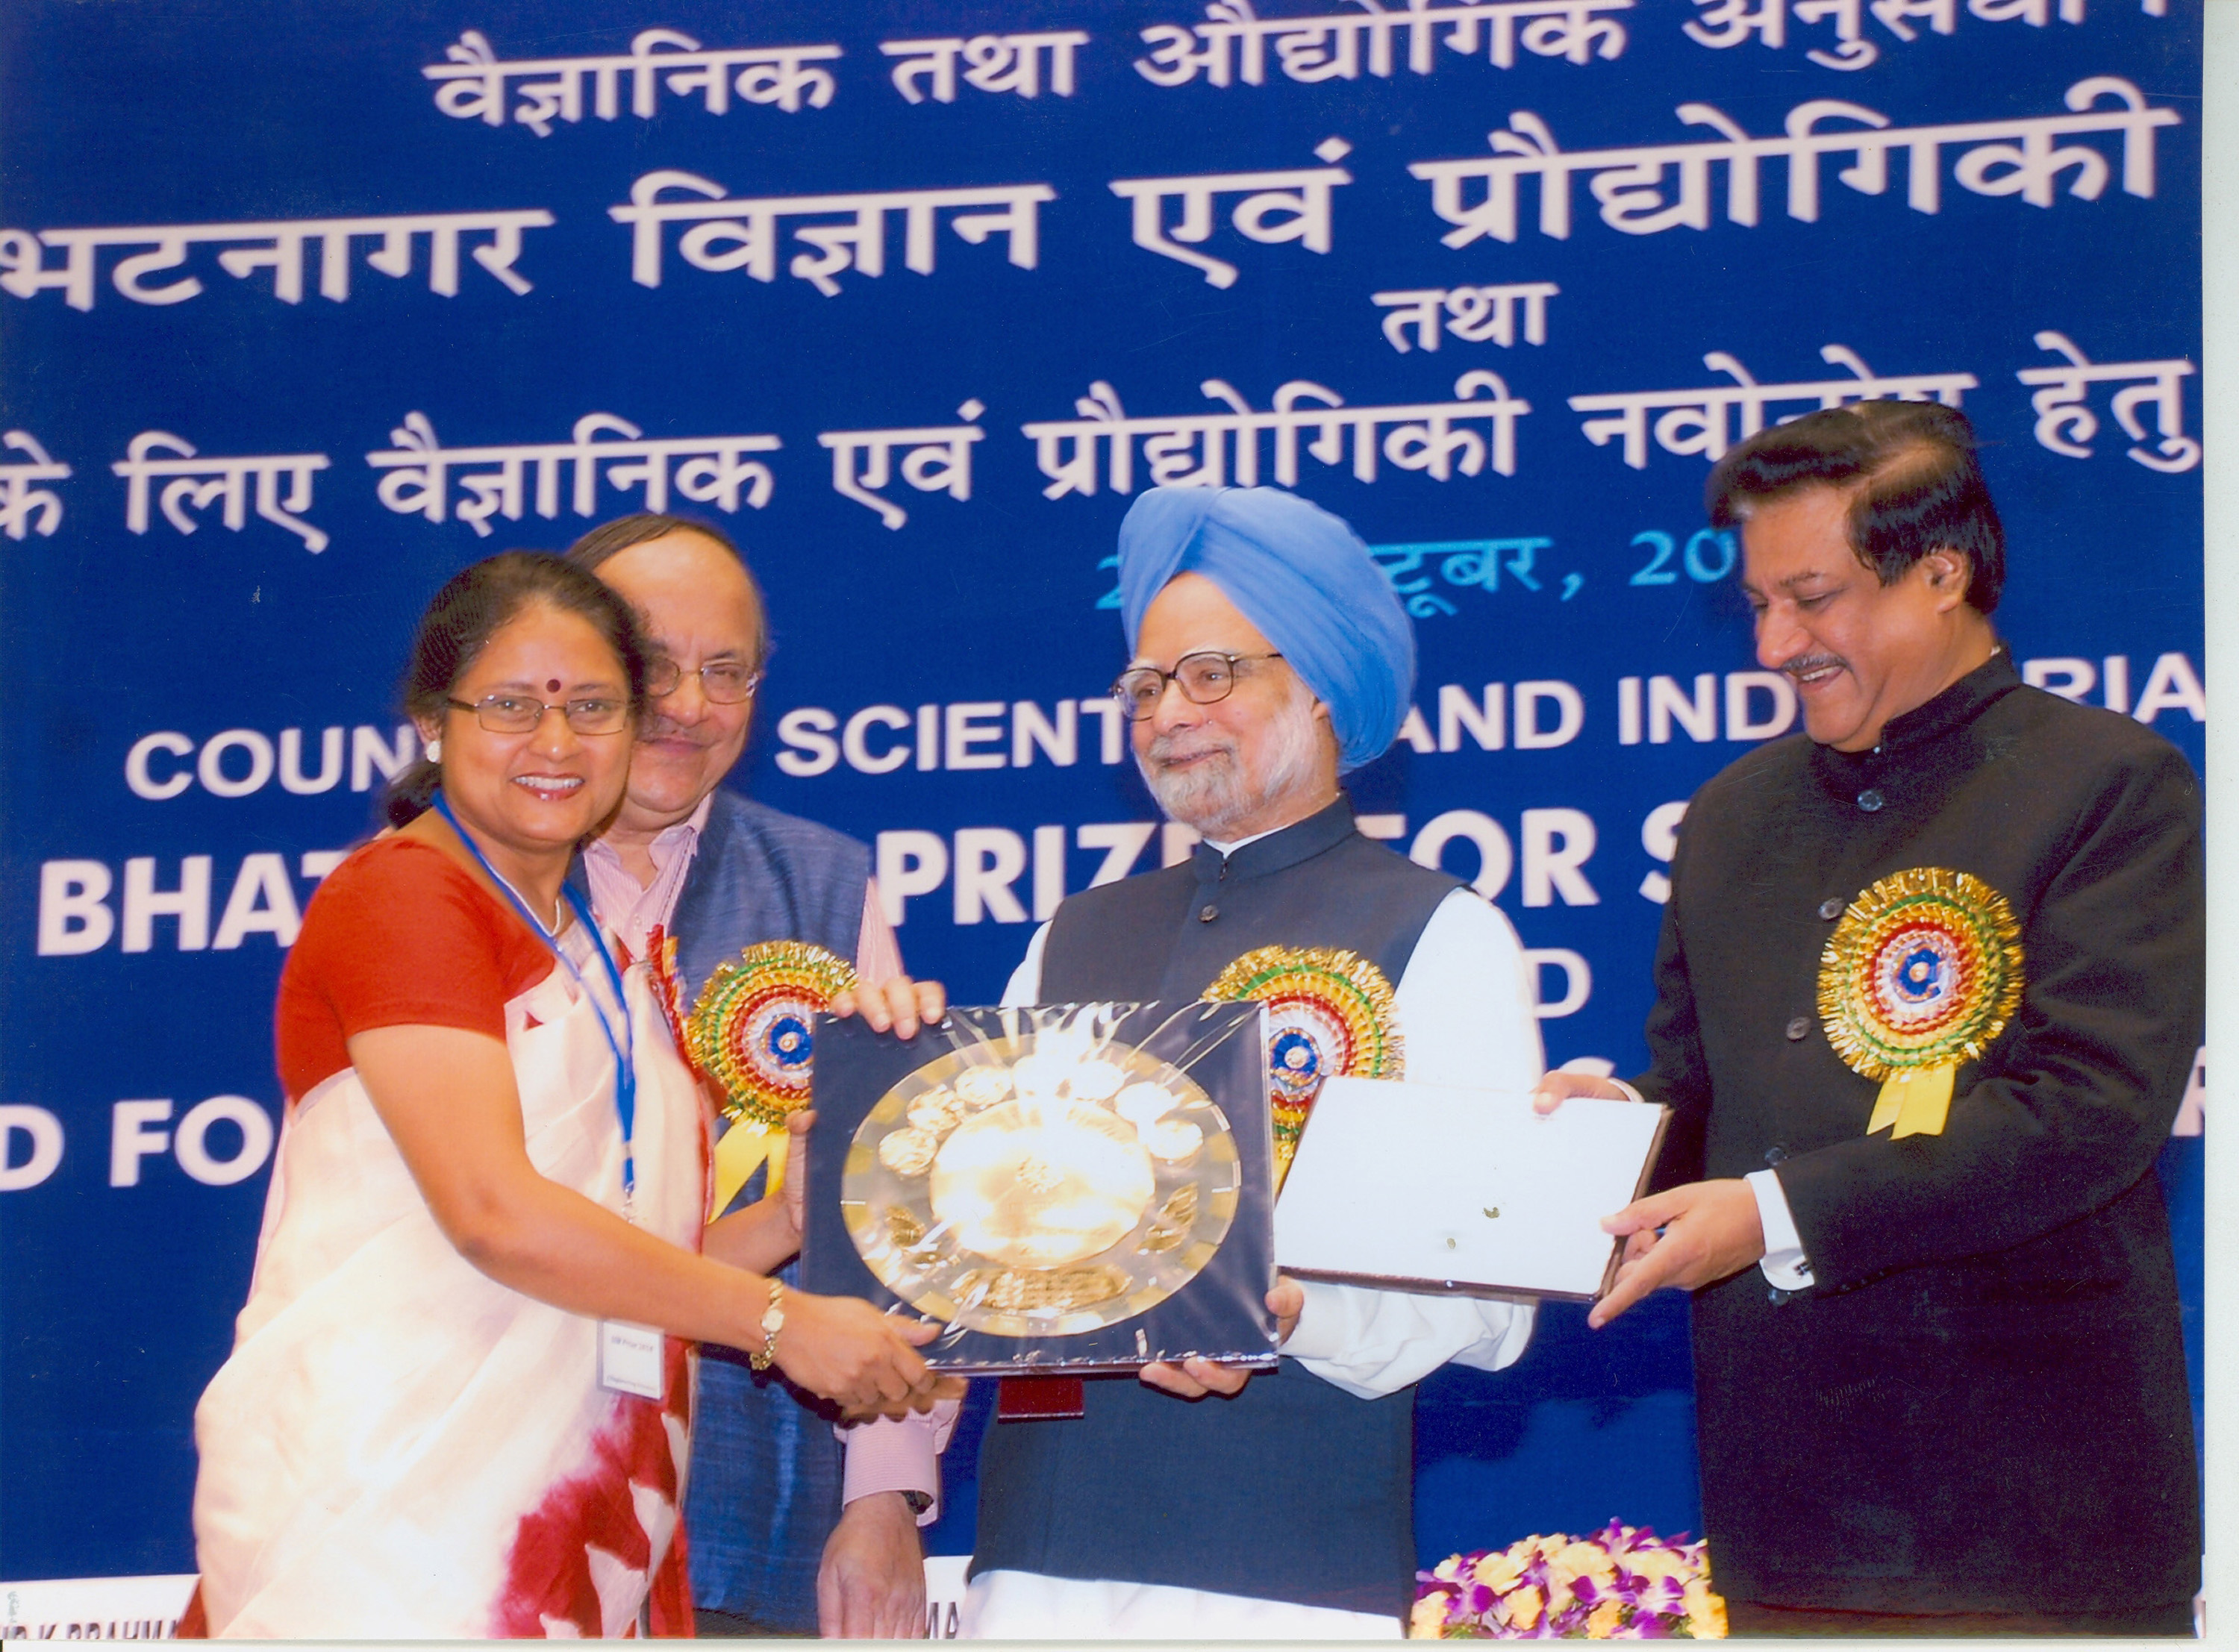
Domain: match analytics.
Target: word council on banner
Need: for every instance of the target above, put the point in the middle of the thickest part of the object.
(194, 481)
(1695, 420)
(743, 234)
(285, 244)
(1300, 197)
(2064, 423)
(473, 84)
(939, 461)
(1630, 182)
(1726, 23)
(999, 63)
(714, 472)
(1233, 44)
(22, 506)
(1207, 449)
(1472, 314)
(155, 767)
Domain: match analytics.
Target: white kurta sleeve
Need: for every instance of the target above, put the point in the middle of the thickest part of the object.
(1468, 1010)
(1370, 1342)
(1468, 1006)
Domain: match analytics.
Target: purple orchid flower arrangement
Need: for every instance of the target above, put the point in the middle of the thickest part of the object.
(1624, 1582)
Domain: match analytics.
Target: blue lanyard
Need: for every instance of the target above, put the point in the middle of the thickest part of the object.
(624, 1046)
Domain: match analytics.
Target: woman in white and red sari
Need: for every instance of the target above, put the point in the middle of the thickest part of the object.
(459, 1399)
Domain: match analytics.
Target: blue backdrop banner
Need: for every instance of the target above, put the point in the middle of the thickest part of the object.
(304, 306)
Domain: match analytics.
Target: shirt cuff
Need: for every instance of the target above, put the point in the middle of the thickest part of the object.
(899, 1454)
(877, 953)
(1373, 1343)
(1784, 1266)
(1317, 1335)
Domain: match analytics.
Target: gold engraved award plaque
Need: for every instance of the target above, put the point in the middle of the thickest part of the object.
(1040, 1183)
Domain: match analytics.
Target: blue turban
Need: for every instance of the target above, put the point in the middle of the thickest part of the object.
(1300, 574)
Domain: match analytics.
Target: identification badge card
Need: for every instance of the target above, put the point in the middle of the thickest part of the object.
(629, 1360)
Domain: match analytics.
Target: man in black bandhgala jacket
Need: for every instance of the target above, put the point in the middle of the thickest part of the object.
(1928, 990)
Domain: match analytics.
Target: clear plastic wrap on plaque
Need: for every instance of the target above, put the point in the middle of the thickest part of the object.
(1069, 1188)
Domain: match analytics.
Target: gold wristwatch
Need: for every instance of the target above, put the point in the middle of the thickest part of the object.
(772, 1323)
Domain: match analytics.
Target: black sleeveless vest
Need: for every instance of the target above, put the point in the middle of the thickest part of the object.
(1293, 1489)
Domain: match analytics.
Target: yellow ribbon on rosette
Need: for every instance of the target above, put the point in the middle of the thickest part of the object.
(1923, 971)
(750, 1032)
(1330, 1014)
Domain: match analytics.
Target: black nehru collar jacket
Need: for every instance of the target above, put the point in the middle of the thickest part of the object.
(1904, 1436)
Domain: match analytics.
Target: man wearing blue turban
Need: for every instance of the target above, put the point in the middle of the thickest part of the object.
(1268, 657)
(1302, 577)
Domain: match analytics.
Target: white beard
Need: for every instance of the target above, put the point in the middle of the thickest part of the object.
(1213, 795)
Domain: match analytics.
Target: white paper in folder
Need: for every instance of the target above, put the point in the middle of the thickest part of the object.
(1426, 1187)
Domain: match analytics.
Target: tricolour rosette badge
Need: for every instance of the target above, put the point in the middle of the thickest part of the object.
(668, 989)
(1330, 1014)
(1923, 972)
(751, 1033)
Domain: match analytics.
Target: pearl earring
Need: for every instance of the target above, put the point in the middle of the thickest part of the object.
(435, 750)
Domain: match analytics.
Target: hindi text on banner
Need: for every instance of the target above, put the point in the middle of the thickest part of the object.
(1412, 571)
(1231, 45)
(744, 234)
(1723, 24)
(999, 64)
(1299, 202)
(1474, 314)
(193, 481)
(2022, 155)
(2064, 422)
(1217, 449)
(713, 471)
(281, 246)
(939, 460)
(1708, 421)
(23, 506)
(474, 83)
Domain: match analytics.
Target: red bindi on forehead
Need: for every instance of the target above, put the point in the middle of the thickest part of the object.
(553, 687)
